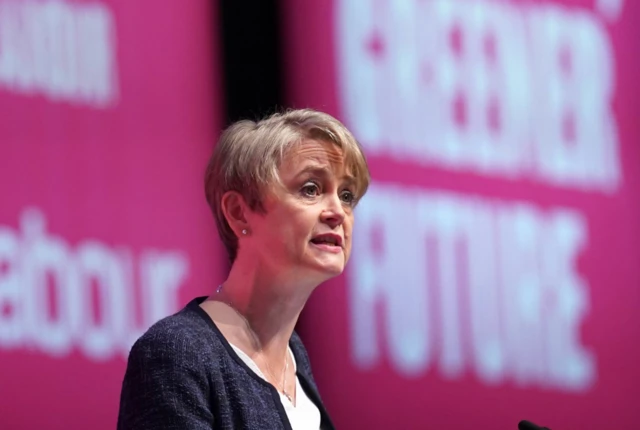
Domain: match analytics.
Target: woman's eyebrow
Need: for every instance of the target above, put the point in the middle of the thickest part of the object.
(324, 171)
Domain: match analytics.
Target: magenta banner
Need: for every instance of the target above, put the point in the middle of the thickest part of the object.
(109, 113)
(496, 265)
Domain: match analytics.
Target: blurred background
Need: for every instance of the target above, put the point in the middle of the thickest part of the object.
(496, 266)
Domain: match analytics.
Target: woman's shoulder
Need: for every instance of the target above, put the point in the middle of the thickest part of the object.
(169, 374)
(184, 334)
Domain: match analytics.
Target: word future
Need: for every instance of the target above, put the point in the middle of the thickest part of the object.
(468, 284)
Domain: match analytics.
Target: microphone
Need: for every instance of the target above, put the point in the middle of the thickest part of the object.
(528, 425)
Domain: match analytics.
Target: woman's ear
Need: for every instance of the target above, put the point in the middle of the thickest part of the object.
(235, 210)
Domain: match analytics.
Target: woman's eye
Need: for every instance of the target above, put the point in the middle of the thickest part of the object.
(310, 189)
(348, 197)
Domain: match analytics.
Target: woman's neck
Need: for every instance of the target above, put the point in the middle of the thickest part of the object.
(268, 304)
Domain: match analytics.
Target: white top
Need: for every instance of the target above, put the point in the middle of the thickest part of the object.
(305, 415)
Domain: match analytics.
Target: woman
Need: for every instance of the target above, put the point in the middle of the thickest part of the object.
(282, 191)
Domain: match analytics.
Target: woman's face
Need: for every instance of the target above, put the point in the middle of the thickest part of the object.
(309, 217)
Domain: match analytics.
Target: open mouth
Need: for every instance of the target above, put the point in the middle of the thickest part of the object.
(332, 240)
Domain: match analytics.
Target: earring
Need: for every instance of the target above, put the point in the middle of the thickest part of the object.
(244, 231)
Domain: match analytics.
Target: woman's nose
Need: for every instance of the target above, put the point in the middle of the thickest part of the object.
(334, 213)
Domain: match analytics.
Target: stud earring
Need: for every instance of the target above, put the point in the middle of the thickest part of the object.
(244, 231)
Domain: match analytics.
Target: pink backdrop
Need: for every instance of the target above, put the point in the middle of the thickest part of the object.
(109, 113)
(496, 268)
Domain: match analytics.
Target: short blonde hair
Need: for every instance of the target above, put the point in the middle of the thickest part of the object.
(249, 153)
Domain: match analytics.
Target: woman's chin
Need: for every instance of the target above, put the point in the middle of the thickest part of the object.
(329, 270)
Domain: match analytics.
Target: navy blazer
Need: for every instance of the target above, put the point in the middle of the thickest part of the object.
(183, 374)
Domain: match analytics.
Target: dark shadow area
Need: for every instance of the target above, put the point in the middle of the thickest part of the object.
(251, 58)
